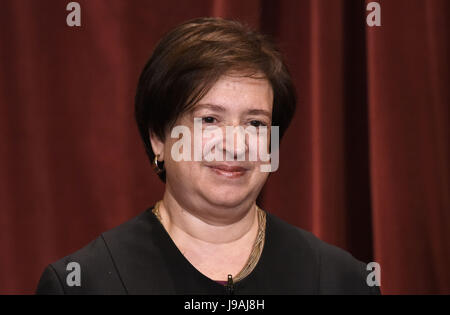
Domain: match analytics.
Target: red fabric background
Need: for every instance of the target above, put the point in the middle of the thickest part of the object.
(363, 166)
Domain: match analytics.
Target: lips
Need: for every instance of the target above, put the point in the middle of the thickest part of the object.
(229, 171)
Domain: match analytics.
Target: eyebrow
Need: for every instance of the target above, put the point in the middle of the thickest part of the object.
(215, 107)
(259, 112)
(220, 108)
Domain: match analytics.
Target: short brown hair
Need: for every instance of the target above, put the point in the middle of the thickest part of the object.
(190, 59)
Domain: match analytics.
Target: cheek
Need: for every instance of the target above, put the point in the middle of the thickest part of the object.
(258, 176)
(263, 145)
(179, 171)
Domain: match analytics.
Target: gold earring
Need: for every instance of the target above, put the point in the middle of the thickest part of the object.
(158, 169)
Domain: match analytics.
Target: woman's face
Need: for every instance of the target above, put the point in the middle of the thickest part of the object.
(232, 101)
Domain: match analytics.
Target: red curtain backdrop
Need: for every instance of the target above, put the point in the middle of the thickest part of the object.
(364, 165)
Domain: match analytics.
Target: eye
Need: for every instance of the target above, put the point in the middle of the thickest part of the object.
(257, 123)
(208, 120)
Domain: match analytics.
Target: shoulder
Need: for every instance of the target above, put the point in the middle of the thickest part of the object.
(94, 265)
(338, 272)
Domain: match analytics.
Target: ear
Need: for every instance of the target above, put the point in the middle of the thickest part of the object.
(157, 146)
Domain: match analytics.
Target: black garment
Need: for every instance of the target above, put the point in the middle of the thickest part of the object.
(139, 257)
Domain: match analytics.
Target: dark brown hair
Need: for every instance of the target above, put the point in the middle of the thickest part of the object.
(190, 59)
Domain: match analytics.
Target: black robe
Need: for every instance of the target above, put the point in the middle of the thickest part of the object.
(139, 257)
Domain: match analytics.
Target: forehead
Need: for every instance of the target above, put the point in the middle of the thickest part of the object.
(234, 92)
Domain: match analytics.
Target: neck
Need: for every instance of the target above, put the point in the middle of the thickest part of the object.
(199, 226)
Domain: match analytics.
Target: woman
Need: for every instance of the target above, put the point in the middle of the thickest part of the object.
(207, 235)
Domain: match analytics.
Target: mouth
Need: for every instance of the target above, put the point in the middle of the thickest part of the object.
(228, 171)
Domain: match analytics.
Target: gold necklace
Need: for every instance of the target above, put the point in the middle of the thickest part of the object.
(258, 245)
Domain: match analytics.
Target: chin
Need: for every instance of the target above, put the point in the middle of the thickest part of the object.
(226, 196)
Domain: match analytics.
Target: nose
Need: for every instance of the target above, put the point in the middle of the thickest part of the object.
(235, 143)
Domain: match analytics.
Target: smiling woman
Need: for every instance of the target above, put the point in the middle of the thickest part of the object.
(207, 235)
